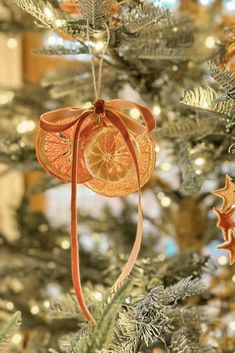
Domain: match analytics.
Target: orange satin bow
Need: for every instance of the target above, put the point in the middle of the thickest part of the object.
(55, 122)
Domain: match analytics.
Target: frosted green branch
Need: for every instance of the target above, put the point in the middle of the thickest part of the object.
(9, 329)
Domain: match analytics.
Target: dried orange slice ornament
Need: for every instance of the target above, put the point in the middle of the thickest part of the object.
(104, 149)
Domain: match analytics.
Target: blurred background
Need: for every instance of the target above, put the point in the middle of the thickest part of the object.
(39, 72)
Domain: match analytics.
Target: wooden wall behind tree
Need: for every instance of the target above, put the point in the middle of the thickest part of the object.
(11, 182)
(34, 68)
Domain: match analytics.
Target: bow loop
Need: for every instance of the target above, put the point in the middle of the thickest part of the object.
(55, 121)
(118, 104)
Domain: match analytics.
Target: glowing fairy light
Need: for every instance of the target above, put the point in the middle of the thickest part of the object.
(12, 43)
(166, 167)
(6, 97)
(134, 113)
(99, 46)
(199, 161)
(65, 244)
(206, 2)
(25, 126)
(160, 195)
(98, 295)
(48, 12)
(222, 260)
(161, 257)
(232, 325)
(46, 304)
(157, 149)
(10, 306)
(17, 338)
(34, 310)
(156, 110)
(198, 172)
(210, 42)
(166, 201)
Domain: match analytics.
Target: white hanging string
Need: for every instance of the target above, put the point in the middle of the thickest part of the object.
(97, 82)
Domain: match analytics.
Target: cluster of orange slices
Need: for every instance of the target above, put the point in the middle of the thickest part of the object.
(104, 163)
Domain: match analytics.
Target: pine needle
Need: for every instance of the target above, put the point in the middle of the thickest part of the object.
(99, 337)
(96, 12)
(9, 328)
(207, 99)
(225, 78)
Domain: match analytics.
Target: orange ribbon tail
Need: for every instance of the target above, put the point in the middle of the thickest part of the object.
(118, 123)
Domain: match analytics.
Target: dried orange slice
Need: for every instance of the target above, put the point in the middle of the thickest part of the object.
(54, 152)
(128, 184)
(107, 157)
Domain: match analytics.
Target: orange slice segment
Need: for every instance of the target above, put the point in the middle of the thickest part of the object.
(54, 152)
(107, 157)
(128, 185)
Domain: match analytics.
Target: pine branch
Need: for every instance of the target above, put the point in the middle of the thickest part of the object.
(74, 28)
(65, 307)
(48, 16)
(96, 12)
(99, 337)
(207, 99)
(187, 287)
(188, 128)
(37, 10)
(9, 328)
(59, 50)
(144, 16)
(153, 52)
(181, 342)
(152, 318)
(224, 77)
(147, 22)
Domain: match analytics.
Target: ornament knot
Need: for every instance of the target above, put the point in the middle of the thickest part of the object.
(99, 106)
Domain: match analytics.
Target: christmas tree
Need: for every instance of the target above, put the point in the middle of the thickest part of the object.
(177, 59)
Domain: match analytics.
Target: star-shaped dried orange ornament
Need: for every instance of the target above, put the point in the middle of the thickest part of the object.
(227, 194)
(229, 246)
(225, 221)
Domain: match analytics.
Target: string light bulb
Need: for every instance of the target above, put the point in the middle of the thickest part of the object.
(134, 113)
(34, 310)
(99, 46)
(166, 167)
(199, 161)
(156, 110)
(166, 201)
(25, 126)
(12, 43)
(65, 244)
(17, 338)
(232, 325)
(10, 306)
(222, 260)
(210, 42)
(48, 12)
